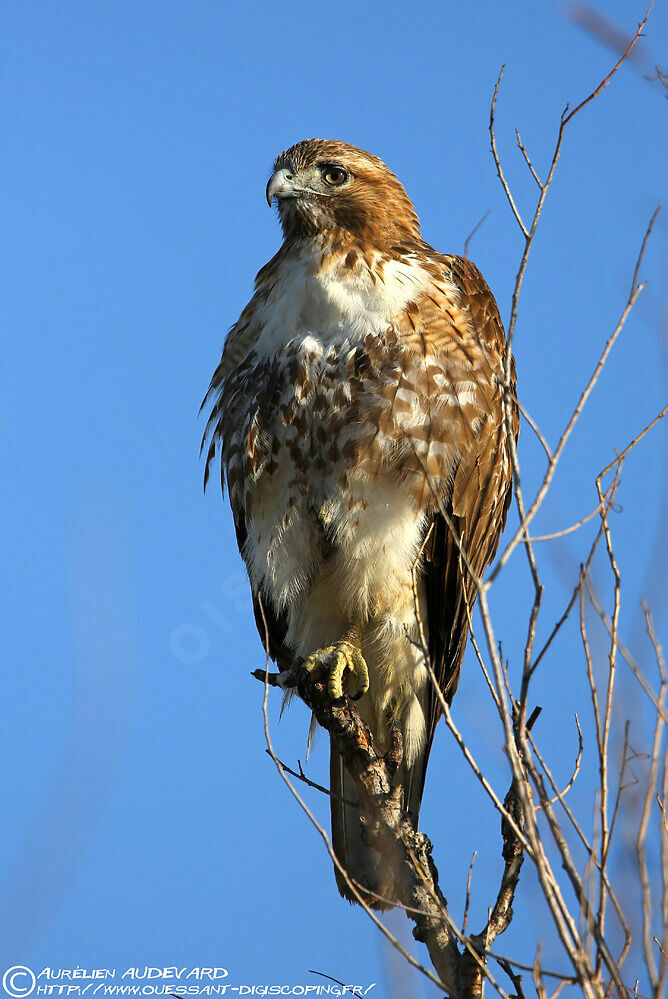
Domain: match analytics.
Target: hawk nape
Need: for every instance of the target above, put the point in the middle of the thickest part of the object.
(358, 409)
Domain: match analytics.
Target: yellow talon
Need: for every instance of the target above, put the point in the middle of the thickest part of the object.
(348, 656)
(336, 659)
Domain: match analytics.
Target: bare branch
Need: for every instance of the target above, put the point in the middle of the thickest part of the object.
(566, 530)
(468, 892)
(536, 429)
(351, 884)
(497, 161)
(560, 795)
(614, 69)
(656, 977)
(528, 162)
(521, 532)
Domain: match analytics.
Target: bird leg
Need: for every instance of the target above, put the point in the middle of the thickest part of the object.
(337, 658)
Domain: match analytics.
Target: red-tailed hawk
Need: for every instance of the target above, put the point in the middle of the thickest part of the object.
(358, 411)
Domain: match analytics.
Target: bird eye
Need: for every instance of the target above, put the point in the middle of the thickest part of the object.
(334, 176)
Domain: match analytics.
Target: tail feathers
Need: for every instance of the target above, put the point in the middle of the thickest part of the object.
(372, 871)
(412, 779)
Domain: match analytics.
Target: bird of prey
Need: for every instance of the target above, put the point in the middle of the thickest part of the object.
(358, 412)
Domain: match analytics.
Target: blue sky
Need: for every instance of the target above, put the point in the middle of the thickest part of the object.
(148, 826)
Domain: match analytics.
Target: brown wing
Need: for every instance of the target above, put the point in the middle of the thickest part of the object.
(229, 396)
(476, 510)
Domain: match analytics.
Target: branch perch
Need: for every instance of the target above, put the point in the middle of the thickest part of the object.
(392, 833)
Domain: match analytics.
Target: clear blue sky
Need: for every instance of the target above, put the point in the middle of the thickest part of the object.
(144, 823)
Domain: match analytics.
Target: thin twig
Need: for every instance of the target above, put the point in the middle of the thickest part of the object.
(521, 532)
(309, 783)
(612, 72)
(656, 977)
(528, 162)
(536, 429)
(497, 161)
(560, 795)
(566, 530)
(514, 977)
(473, 232)
(468, 892)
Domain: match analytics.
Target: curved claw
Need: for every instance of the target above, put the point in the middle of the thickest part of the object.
(336, 659)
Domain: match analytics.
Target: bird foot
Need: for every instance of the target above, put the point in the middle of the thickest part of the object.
(335, 660)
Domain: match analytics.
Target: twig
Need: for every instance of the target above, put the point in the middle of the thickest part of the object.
(560, 795)
(566, 530)
(306, 780)
(473, 232)
(612, 72)
(468, 892)
(528, 162)
(514, 977)
(626, 655)
(497, 161)
(536, 429)
(656, 976)
(521, 532)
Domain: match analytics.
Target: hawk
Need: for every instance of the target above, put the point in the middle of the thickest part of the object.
(358, 412)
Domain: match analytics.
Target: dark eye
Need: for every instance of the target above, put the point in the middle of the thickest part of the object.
(334, 176)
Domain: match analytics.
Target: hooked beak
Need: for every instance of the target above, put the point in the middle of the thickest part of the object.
(281, 185)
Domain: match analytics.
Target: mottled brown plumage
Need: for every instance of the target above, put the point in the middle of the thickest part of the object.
(358, 408)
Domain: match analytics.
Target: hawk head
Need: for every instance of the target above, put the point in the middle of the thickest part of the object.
(328, 186)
